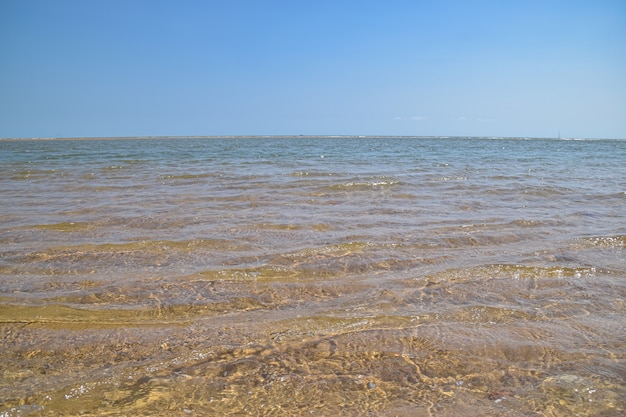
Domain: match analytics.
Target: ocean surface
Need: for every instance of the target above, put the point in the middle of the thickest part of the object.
(317, 276)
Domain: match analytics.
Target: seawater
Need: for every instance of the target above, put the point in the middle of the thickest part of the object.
(313, 276)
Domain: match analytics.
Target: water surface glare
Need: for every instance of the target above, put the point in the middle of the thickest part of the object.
(313, 276)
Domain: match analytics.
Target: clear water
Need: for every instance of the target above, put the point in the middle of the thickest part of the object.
(313, 276)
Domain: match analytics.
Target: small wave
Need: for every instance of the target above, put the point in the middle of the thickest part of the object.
(64, 259)
(62, 315)
(186, 176)
(526, 223)
(115, 167)
(607, 241)
(310, 174)
(444, 179)
(365, 185)
(29, 174)
(371, 184)
(63, 226)
(525, 271)
(515, 271)
(545, 191)
(475, 239)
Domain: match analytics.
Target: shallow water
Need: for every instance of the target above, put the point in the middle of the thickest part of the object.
(313, 276)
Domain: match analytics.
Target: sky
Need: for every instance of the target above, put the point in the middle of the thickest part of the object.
(105, 68)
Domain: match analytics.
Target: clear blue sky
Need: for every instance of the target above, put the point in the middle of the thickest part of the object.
(71, 68)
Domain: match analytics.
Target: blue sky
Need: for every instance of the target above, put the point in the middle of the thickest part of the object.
(240, 67)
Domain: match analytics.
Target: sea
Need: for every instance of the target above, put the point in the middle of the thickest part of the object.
(313, 276)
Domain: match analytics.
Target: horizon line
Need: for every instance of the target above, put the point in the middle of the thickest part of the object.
(160, 137)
